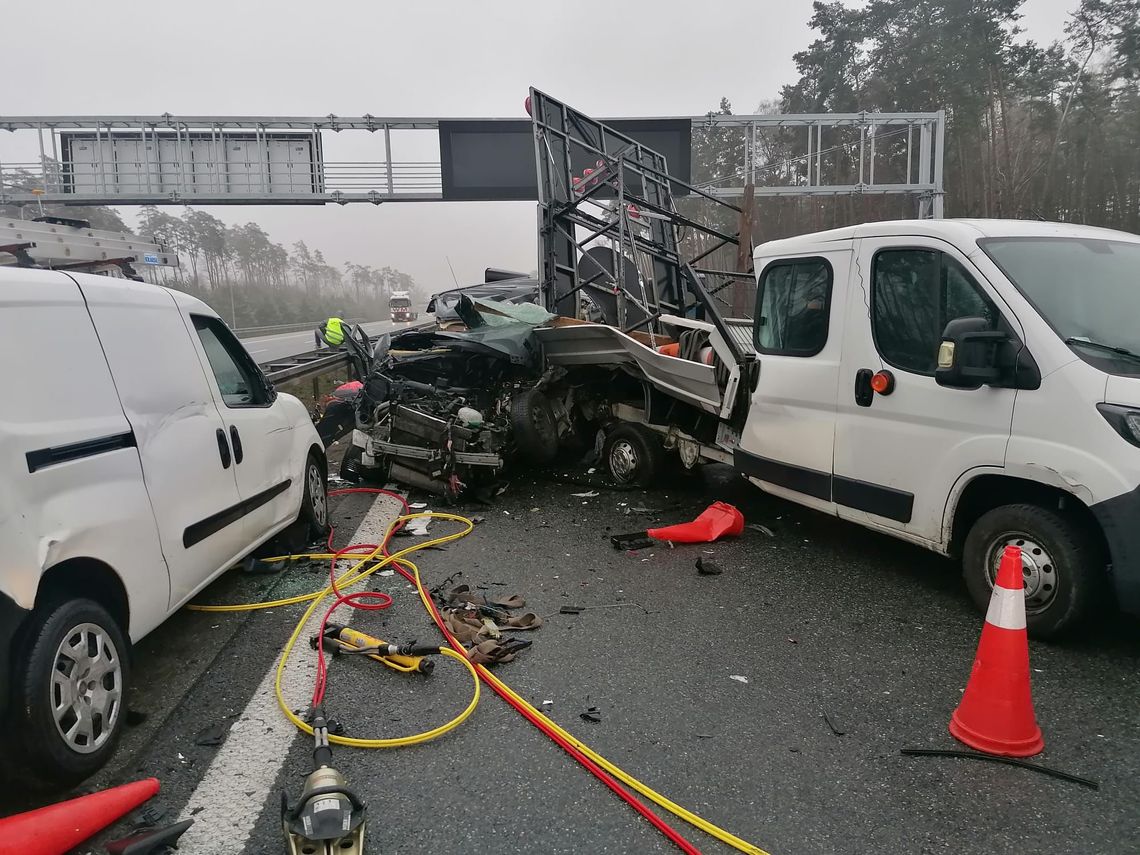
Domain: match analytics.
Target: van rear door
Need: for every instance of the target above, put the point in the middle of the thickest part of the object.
(788, 439)
(187, 462)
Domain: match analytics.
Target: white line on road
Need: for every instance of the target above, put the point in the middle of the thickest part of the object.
(259, 741)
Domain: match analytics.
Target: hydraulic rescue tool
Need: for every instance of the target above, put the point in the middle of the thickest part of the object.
(329, 818)
(402, 657)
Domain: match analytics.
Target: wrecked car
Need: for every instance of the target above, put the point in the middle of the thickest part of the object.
(447, 410)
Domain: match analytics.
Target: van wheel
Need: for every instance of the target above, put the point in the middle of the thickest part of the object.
(634, 455)
(535, 427)
(315, 502)
(1063, 566)
(68, 693)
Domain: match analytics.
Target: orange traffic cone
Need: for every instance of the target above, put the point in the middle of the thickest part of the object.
(59, 828)
(996, 711)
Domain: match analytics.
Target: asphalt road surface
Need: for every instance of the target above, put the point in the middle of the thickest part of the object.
(269, 347)
(853, 646)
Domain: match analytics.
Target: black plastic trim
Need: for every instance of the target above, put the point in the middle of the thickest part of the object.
(44, 457)
(798, 478)
(872, 498)
(214, 523)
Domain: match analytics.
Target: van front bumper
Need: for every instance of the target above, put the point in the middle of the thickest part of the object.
(1119, 519)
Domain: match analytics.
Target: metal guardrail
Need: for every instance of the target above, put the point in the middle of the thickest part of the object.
(315, 362)
(254, 332)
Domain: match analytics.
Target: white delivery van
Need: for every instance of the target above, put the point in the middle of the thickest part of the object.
(964, 385)
(142, 452)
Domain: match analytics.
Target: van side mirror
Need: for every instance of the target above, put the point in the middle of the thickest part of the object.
(968, 356)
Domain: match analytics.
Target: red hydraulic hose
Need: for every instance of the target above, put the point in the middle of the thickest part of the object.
(592, 767)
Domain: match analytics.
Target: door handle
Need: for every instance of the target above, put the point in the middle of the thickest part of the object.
(236, 440)
(864, 394)
(223, 449)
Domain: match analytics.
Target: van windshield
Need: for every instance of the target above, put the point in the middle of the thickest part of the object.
(1087, 290)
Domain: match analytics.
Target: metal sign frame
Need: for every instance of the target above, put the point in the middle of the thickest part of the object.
(27, 180)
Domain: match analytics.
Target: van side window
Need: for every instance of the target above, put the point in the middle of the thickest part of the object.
(239, 380)
(793, 305)
(914, 294)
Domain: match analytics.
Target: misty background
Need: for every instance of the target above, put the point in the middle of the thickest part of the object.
(1013, 77)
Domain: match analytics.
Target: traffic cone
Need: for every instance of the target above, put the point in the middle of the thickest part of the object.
(59, 828)
(718, 519)
(996, 712)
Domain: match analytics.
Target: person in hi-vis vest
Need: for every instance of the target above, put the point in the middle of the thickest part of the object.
(331, 332)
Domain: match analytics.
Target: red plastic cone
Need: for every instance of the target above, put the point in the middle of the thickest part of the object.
(718, 519)
(59, 828)
(996, 712)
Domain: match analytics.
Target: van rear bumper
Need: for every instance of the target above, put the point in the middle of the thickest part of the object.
(11, 619)
(1119, 519)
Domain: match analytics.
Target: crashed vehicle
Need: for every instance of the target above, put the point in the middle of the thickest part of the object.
(448, 410)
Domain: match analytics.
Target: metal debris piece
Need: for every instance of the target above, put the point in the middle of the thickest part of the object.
(707, 567)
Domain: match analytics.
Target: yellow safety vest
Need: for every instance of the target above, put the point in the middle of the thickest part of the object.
(334, 334)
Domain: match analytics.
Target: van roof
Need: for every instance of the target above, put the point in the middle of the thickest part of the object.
(958, 231)
(111, 288)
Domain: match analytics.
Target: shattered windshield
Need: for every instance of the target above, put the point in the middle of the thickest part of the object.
(1087, 290)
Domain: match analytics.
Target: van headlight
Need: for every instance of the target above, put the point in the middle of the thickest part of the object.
(1124, 420)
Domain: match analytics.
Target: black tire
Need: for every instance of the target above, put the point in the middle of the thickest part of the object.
(351, 465)
(314, 504)
(1065, 578)
(535, 427)
(42, 755)
(634, 455)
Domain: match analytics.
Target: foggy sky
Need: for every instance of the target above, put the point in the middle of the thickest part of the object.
(436, 59)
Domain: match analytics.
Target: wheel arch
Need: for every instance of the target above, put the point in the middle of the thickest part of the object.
(88, 578)
(990, 489)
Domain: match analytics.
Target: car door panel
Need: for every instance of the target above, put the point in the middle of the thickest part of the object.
(166, 398)
(259, 429)
(898, 455)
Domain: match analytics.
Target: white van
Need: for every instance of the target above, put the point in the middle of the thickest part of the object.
(963, 385)
(142, 452)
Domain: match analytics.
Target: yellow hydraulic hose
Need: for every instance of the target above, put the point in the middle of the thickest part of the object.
(353, 576)
(623, 776)
(478, 672)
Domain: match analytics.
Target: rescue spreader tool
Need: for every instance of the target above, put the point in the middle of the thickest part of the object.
(329, 818)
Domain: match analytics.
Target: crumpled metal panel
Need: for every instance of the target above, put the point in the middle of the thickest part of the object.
(597, 344)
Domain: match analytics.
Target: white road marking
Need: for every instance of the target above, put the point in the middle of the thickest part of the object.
(257, 744)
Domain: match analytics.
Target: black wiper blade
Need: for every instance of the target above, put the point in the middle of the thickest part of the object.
(1108, 348)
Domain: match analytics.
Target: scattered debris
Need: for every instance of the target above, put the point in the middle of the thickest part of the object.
(633, 540)
(993, 758)
(570, 610)
(589, 495)
(831, 724)
(257, 567)
(418, 527)
(592, 714)
(417, 505)
(704, 736)
(548, 702)
(150, 842)
(388, 572)
(740, 678)
(215, 734)
(708, 568)
(762, 528)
